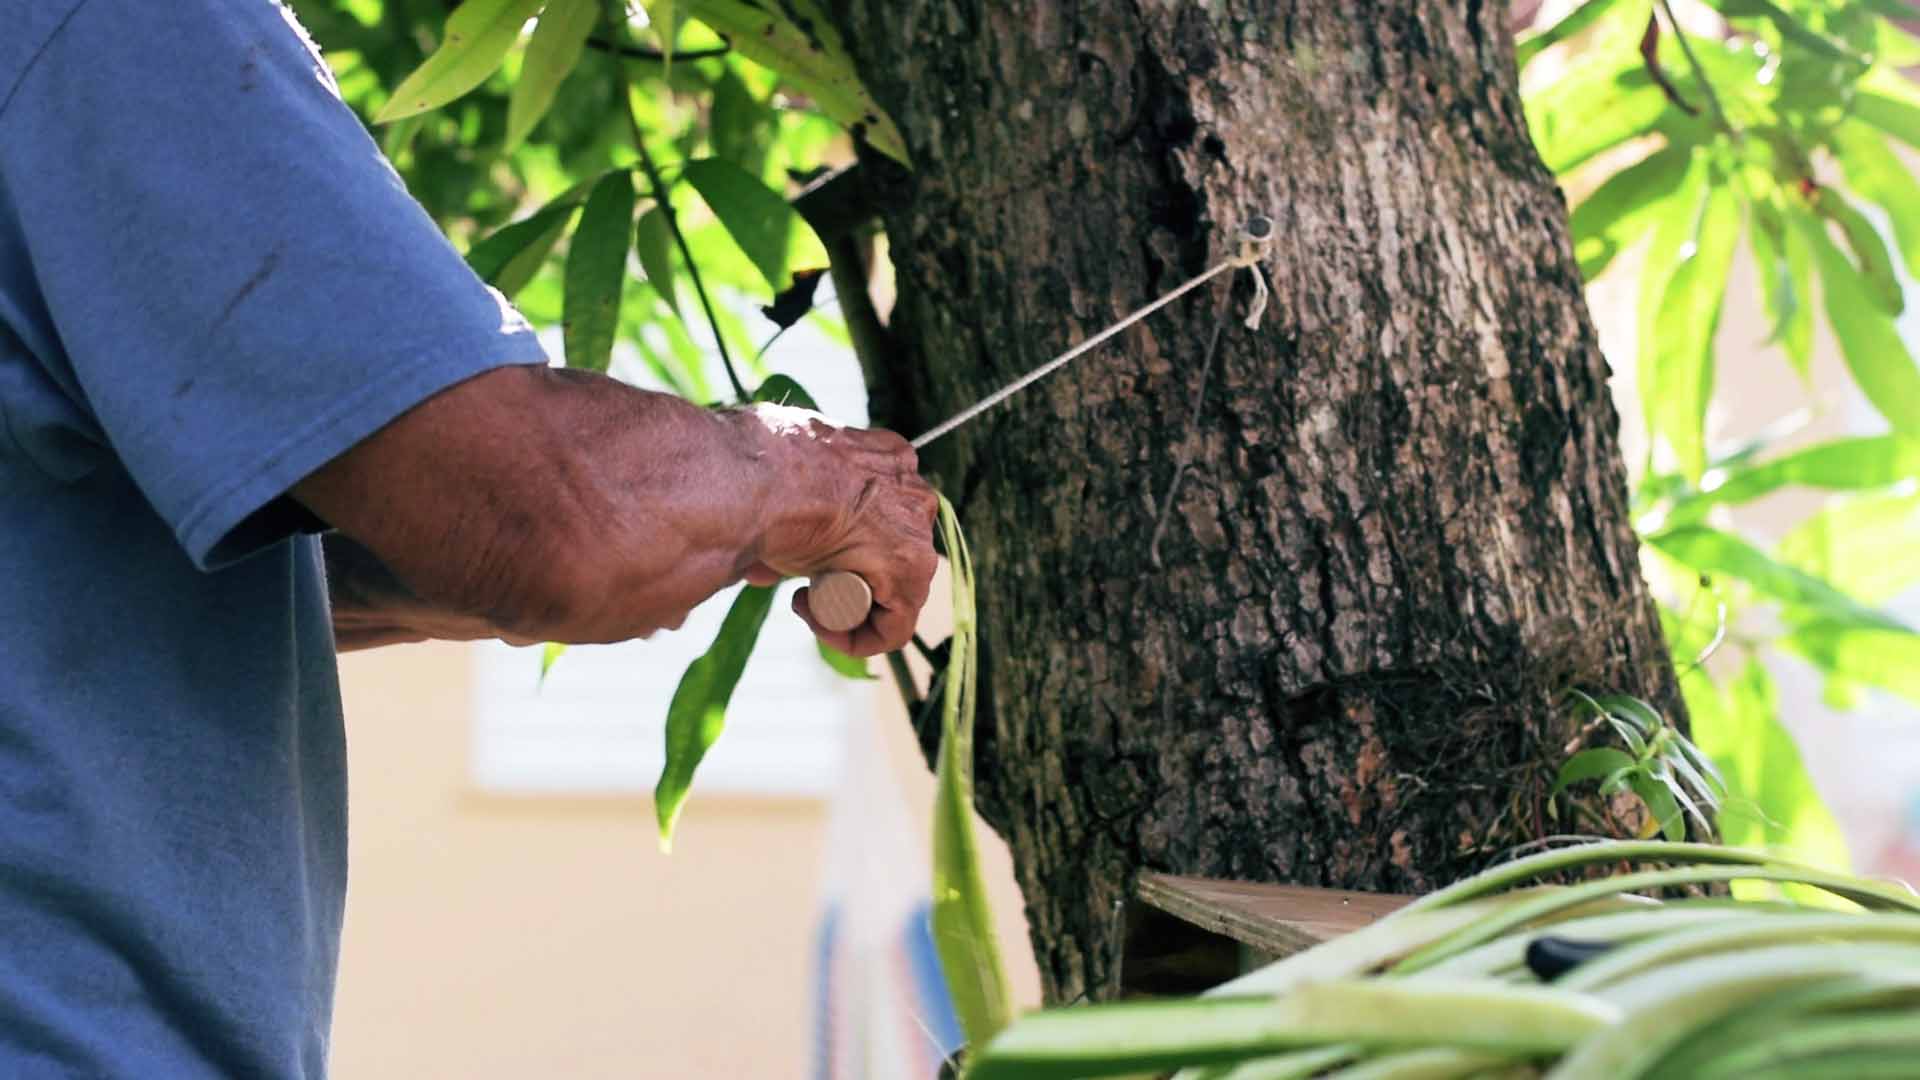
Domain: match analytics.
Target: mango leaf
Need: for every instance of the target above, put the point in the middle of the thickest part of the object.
(1856, 464)
(510, 257)
(558, 40)
(698, 712)
(1870, 255)
(477, 37)
(1602, 104)
(1869, 341)
(1868, 548)
(1663, 809)
(851, 667)
(596, 273)
(1577, 21)
(1673, 229)
(739, 123)
(1875, 173)
(653, 242)
(755, 215)
(665, 17)
(811, 59)
(1791, 29)
(1682, 362)
(1594, 763)
(1900, 119)
(1711, 551)
(1771, 801)
(962, 918)
(1786, 284)
(1889, 659)
(1620, 211)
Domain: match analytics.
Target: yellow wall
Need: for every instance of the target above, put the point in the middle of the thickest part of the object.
(542, 937)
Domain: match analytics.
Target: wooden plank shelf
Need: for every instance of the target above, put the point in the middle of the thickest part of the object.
(1186, 934)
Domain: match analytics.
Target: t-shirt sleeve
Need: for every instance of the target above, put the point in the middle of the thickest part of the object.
(240, 282)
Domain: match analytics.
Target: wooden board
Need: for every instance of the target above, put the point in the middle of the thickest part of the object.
(1185, 935)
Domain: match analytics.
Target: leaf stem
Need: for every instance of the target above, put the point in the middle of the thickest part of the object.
(1699, 71)
(661, 199)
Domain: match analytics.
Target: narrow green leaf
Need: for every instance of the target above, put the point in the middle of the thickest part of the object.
(1681, 367)
(851, 667)
(811, 59)
(558, 41)
(1711, 551)
(1600, 105)
(698, 711)
(1620, 211)
(1867, 547)
(665, 19)
(756, 216)
(1663, 811)
(1595, 763)
(1897, 118)
(1889, 659)
(1577, 21)
(1877, 174)
(1869, 340)
(477, 37)
(962, 918)
(1786, 285)
(1791, 29)
(510, 257)
(1870, 255)
(596, 273)
(1674, 226)
(653, 241)
(1858, 464)
(738, 124)
(550, 654)
(1770, 800)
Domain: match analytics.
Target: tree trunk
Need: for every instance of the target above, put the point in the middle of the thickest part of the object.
(1400, 528)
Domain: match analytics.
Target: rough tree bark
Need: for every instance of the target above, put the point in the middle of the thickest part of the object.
(1403, 527)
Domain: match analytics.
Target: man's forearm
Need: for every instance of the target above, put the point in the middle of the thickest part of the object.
(372, 607)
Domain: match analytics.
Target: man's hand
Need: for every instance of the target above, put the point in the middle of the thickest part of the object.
(561, 506)
(853, 500)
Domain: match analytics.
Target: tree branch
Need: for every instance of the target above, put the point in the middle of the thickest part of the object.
(657, 56)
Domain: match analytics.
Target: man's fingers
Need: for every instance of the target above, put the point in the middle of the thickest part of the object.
(839, 639)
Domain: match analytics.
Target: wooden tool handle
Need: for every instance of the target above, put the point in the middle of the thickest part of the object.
(839, 599)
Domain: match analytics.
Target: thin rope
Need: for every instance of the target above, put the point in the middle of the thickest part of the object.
(1255, 240)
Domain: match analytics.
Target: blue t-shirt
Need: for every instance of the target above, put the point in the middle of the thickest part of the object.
(210, 285)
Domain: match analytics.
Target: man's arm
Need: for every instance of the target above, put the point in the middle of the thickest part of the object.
(540, 504)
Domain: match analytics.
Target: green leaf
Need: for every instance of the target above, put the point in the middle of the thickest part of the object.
(698, 712)
(1673, 228)
(550, 654)
(783, 390)
(558, 40)
(1600, 105)
(1859, 464)
(477, 37)
(1868, 548)
(851, 667)
(1711, 551)
(1791, 29)
(1681, 366)
(653, 241)
(756, 216)
(811, 59)
(1621, 210)
(665, 19)
(1576, 21)
(1786, 284)
(1889, 659)
(1771, 801)
(1870, 255)
(1869, 340)
(1897, 118)
(738, 124)
(962, 918)
(1663, 810)
(1875, 173)
(597, 271)
(510, 257)
(1595, 763)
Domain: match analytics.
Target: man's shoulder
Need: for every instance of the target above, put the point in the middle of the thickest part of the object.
(30, 25)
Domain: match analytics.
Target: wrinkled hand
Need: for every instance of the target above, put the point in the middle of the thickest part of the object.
(846, 499)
